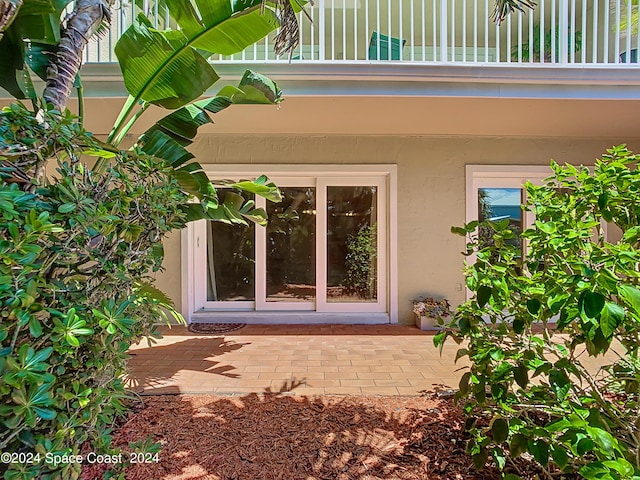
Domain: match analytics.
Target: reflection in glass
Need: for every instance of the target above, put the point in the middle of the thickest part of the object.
(230, 259)
(352, 245)
(291, 246)
(497, 204)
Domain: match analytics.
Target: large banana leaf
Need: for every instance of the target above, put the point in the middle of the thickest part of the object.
(28, 43)
(169, 67)
(168, 138)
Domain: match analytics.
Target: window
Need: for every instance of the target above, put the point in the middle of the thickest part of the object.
(496, 192)
(327, 249)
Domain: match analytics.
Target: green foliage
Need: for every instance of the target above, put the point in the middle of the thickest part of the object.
(77, 250)
(27, 44)
(362, 254)
(75, 289)
(550, 44)
(527, 385)
(169, 68)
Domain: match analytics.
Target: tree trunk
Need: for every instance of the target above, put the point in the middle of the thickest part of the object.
(8, 13)
(87, 18)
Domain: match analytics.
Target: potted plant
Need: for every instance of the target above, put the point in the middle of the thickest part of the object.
(533, 50)
(431, 313)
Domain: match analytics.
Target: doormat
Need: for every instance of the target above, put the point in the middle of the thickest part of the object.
(214, 328)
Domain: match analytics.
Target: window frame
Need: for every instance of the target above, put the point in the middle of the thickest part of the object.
(504, 176)
(383, 176)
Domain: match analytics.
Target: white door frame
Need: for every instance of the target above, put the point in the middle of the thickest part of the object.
(385, 176)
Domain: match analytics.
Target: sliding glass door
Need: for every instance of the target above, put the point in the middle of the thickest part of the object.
(324, 250)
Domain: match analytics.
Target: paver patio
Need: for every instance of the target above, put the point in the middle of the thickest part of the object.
(301, 359)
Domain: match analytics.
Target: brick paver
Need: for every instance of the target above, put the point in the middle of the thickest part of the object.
(301, 359)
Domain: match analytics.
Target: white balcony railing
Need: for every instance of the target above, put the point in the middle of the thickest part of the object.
(444, 31)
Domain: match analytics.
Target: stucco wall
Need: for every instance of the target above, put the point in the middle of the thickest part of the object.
(431, 190)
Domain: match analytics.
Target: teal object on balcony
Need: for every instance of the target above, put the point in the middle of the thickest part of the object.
(633, 58)
(396, 47)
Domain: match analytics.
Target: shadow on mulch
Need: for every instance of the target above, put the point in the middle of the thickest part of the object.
(279, 436)
(188, 355)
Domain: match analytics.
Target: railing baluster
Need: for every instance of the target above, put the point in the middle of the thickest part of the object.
(322, 32)
(531, 36)
(443, 31)
(344, 29)
(596, 17)
(572, 31)
(475, 30)
(629, 34)
(434, 30)
(300, 37)
(486, 30)
(509, 39)
(563, 31)
(583, 50)
(355, 31)
(542, 52)
(333, 30)
(498, 59)
(266, 49)
(312, 29)
(453, 30)
(464, 30)
(520, 38)
(605, 35)
(412, 32)
(378, 29)
(156, 17)
(616, 47)
(553, 31)
(401, 33)
(424, 34)
(389, 49)
(366, 22)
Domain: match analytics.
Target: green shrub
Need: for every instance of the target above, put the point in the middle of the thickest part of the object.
(527, 390)
(75, 289)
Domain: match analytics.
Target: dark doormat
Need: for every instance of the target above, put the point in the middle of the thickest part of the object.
(214, 328)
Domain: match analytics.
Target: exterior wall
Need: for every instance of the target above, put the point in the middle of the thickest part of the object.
(431, 190)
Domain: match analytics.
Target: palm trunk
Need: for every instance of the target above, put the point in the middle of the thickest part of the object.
(87, 18)
(8, 13)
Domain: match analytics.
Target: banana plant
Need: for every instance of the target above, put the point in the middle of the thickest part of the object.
(169, 68)
(168, 137)
(29, 34)
(166, 68)
(503, 8)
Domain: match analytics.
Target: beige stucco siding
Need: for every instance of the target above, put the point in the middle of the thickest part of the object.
(431, 190)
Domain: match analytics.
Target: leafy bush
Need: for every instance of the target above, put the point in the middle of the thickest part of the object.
(527, 392)
(75, 290)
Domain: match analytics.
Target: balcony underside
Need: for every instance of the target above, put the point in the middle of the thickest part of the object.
(614, 81)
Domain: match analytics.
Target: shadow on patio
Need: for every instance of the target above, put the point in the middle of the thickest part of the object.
(330, 359)
(160, 366)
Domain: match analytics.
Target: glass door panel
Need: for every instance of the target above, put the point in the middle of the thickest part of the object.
(230, 260)
(291, 246)
(352, 244)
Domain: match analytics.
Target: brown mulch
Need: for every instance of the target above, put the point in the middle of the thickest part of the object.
(280, 437)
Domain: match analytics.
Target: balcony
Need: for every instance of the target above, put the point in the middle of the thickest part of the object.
(562, 43)
(583, 32)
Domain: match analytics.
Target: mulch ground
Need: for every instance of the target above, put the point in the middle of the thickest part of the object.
(275, 436)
